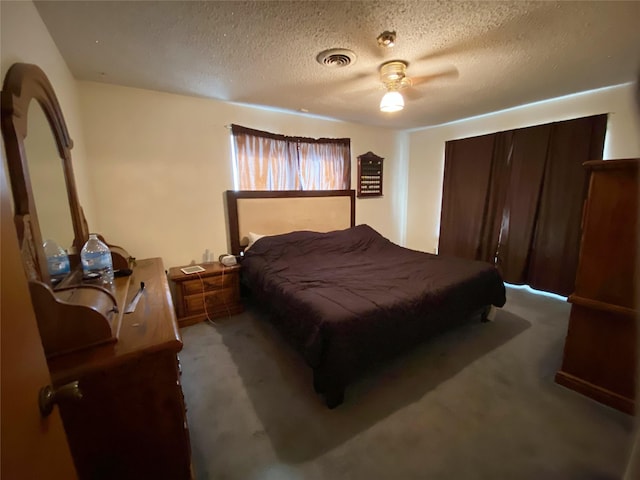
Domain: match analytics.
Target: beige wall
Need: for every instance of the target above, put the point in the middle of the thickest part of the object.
(24, 38)
(161, 162)
(426, 147)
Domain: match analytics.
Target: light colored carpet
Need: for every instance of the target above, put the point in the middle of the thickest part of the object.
(478, 402)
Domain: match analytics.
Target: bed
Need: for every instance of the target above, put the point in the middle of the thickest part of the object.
(348, 298)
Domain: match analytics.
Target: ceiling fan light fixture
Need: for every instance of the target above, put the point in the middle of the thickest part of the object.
(392, 101)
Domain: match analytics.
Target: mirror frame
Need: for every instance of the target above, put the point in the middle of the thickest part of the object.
(22, 84)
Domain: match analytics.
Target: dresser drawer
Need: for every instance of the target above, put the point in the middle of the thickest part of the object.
(207, 283)
(215, 299)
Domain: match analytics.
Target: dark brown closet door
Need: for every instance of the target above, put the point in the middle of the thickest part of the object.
(524, 182)
(516, 198)
(554, 252)
(467, 177)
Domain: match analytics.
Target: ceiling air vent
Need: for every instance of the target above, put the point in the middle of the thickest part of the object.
(336, 57)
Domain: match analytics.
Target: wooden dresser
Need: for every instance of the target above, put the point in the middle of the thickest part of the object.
(115, 375)
(131, 422)
(214, 292)
(600, 353)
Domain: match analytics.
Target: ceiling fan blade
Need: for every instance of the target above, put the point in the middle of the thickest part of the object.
(354, 82)
(412, 94)
(449, 73)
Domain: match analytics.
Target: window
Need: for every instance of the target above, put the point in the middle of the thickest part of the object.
(266, 161)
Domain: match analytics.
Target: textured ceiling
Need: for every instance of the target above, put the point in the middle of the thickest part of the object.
(470, 57)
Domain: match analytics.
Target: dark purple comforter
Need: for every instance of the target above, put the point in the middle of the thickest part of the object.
(349, 298)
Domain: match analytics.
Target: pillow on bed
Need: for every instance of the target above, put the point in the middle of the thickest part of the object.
(253, 238)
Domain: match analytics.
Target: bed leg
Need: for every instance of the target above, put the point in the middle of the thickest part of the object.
(332, 390)
(334, 397)
(484, 316)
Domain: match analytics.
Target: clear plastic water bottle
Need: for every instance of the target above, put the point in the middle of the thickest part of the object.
(57, 259)
(96, 260)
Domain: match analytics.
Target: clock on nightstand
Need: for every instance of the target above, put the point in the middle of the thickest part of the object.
(214, 292)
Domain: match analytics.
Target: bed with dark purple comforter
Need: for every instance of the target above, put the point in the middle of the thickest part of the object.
(351, 298)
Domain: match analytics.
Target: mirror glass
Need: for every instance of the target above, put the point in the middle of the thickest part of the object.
(48, 183)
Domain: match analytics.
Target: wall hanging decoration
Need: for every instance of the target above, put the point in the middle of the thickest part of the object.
(370, 175)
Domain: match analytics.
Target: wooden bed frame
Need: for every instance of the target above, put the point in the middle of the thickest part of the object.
(275, 212)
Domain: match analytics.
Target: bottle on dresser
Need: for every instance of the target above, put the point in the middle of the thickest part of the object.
(96, 261)
(57, 260)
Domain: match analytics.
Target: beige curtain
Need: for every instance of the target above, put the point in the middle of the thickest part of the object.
(324, 166)
(266, 161)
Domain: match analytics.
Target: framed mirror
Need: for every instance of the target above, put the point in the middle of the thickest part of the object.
(48, 183)
(38, 149)
(73, 315)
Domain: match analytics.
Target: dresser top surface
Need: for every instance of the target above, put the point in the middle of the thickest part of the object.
(152, 327)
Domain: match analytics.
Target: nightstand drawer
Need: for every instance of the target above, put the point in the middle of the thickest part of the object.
(208, 283)
(216, 300)
(219, 285)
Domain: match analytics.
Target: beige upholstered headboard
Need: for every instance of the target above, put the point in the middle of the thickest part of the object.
(272, 213)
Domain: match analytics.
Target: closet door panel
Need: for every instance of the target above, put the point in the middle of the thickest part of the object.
(463, 199)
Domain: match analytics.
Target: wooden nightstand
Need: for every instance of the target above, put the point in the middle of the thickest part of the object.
(218, 286)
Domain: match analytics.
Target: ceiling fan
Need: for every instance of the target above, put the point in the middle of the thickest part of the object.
(393, 75)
